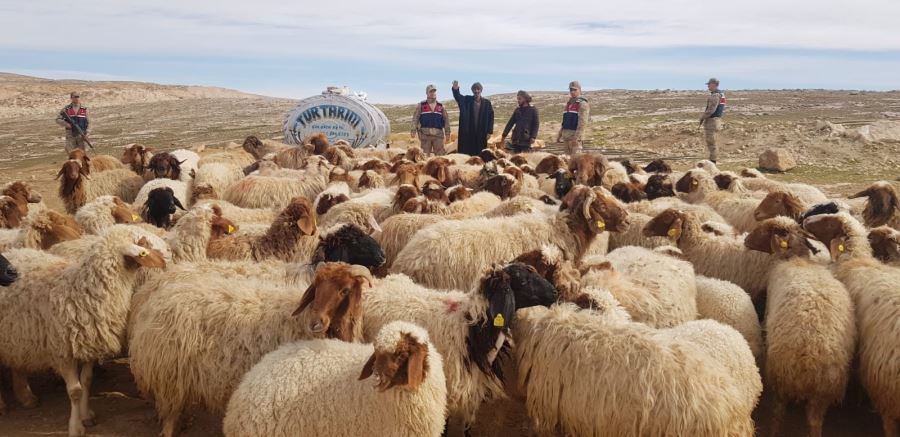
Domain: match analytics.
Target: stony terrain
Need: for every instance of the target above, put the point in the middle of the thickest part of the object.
(842, 140)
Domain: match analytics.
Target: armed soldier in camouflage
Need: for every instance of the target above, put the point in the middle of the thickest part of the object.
(575, 118)
(75, 113)
(711, 120)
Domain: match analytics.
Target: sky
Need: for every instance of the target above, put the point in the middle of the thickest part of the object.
(393, 49)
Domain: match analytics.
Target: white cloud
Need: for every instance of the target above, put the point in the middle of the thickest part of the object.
(364, 29)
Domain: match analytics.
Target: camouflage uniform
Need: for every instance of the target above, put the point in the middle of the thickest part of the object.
(78, 114)
(575, 118)
(712, 119)
(433, 127)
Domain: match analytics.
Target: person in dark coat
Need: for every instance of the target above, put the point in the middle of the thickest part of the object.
(526, 122)
(476, 120)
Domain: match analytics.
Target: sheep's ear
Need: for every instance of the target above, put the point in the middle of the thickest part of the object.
(361, 273)
(307, 224)
(61, 172)
(144, 257)
(178, 204)
(85, 169)
(502, 301)
(863, 193)
(415, 363)
(675, 229)
(760, 239)
(308, 296)
(368, 368)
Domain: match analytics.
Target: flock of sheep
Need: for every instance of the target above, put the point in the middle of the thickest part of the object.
(274, 288)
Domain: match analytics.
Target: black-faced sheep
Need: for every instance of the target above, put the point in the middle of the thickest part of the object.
(350, 244)
(8, 273)
(159, 207)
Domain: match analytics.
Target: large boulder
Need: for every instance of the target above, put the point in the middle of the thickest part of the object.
(777, 159)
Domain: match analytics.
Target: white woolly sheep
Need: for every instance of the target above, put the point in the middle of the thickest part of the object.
(40, 230)
(588, 374)
(452, 254)
(737, 208)
(204, 194)
(810, 325)
(66, 315)
(873, 287)
(103, 212)
(224, 326)
(319, 387)
(219, 176)
(397, 230)
(272, 192)
(720, 257)
(655, 289)
(190, 237)
(282, 240)
(727, 303)
(76, 188)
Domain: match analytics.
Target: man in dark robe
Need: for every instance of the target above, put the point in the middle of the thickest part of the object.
(476, 120)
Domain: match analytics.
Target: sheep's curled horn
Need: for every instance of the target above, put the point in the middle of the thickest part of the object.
(361, 272)
(586, 208)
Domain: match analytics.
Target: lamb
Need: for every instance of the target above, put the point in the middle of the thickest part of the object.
(103, 212)
(590, 374)
(66, 315)
(736, 208)
(268, 192)
(8, 273)
(224, 326)
(40, 230)
(98, 163)
(281, 240)
(655, 289)
(76, 188)
(727, 303)
(470, 330)
(432, 256)
(810, 325)
(720, 257)
(409, 396)
(137, 156)
(873, 287)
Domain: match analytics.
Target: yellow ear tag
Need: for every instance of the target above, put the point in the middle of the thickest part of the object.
(498, 321)
(783, 244)
(671, 232)
(230, 229)
(840, 248)
(134, 217)
(601, 225)
(143, 253)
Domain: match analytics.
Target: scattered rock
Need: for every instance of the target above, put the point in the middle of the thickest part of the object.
(830, 128)
(777, 159)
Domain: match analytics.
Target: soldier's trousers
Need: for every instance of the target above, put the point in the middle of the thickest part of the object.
(570, 139)
(711, 127)
(73, 142)
(432, 144)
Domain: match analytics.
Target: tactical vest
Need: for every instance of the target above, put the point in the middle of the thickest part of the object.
(720, 110)
(432, 118)
(79, 117)
(570, 117)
